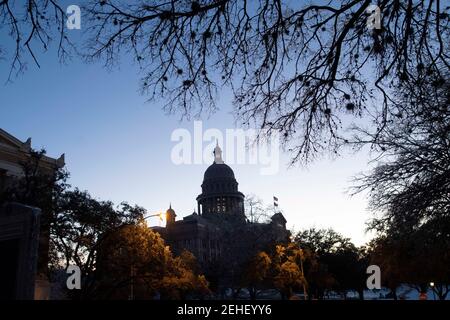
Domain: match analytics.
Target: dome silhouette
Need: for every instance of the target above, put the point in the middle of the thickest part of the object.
(220, 194)
(218, 170)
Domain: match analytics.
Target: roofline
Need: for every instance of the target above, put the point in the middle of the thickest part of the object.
(26, 147)
(10, 137)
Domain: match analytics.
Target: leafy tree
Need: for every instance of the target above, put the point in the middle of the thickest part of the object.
(391, 258)
(40, 186)
(342, 266)
(256, 273)
(348, 268)
(79, 223)
(288, 272)
(320, 280)
(417, 259)
(71, 223)
(184, 280)
(322, 241)
(230, 268)
(134, 263)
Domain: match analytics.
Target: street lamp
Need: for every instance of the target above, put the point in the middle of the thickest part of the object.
(432, 289)
(161, 216)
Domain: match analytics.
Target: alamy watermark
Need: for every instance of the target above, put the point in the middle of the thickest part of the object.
(74, 279)
(374, 280)
(374, 18)
(239, 147)
(73, 17)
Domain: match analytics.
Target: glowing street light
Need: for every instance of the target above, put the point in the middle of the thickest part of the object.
(161, 215)
(432, 289)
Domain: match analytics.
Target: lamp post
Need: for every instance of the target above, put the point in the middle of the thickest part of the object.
(132, 271)
(292, 238)
(432, 289)
(303, 274)
(161, 216)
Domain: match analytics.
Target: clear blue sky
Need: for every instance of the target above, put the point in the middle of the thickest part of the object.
(118, 147)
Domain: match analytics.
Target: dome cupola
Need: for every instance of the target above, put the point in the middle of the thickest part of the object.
(170, 215)
(220, 192)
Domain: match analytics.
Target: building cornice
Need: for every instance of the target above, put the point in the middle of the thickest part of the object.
(16, 147)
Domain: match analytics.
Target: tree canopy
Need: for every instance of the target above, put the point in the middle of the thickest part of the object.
(134, 260)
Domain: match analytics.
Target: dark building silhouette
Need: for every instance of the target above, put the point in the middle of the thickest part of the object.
(220, 194)
(19, 223)
(218, 234)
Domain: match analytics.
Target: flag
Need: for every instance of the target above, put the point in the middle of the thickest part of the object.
(275, 201)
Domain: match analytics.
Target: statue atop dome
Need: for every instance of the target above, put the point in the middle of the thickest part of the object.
(218, 154)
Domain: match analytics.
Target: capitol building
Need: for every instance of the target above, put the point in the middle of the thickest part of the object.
(218, 234)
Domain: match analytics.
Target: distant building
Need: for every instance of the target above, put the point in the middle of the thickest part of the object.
(13, 155)
(218, 234)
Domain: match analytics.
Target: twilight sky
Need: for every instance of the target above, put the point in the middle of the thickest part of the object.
(118, 147)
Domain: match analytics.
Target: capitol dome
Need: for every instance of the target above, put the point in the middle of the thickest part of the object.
(220, 192)
(217, 171)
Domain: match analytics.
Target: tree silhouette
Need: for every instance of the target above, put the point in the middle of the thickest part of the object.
(418, 258)
(79, 224)
(295, 69)
(305, 70)
(342, 266)
(411, 183)
(256, 273)
(409, 188)
(40, 187)
(31, 24)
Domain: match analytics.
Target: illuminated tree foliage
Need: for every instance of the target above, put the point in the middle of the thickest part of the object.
(112, 245)
(79, 222)
(134, 263)
(256, 273)
(281, 267)
(288, 269)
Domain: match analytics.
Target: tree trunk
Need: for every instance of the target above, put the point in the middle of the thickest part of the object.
(441, 292)
(361, 294)
(252, 292)
(394, 293)
(236, 293)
